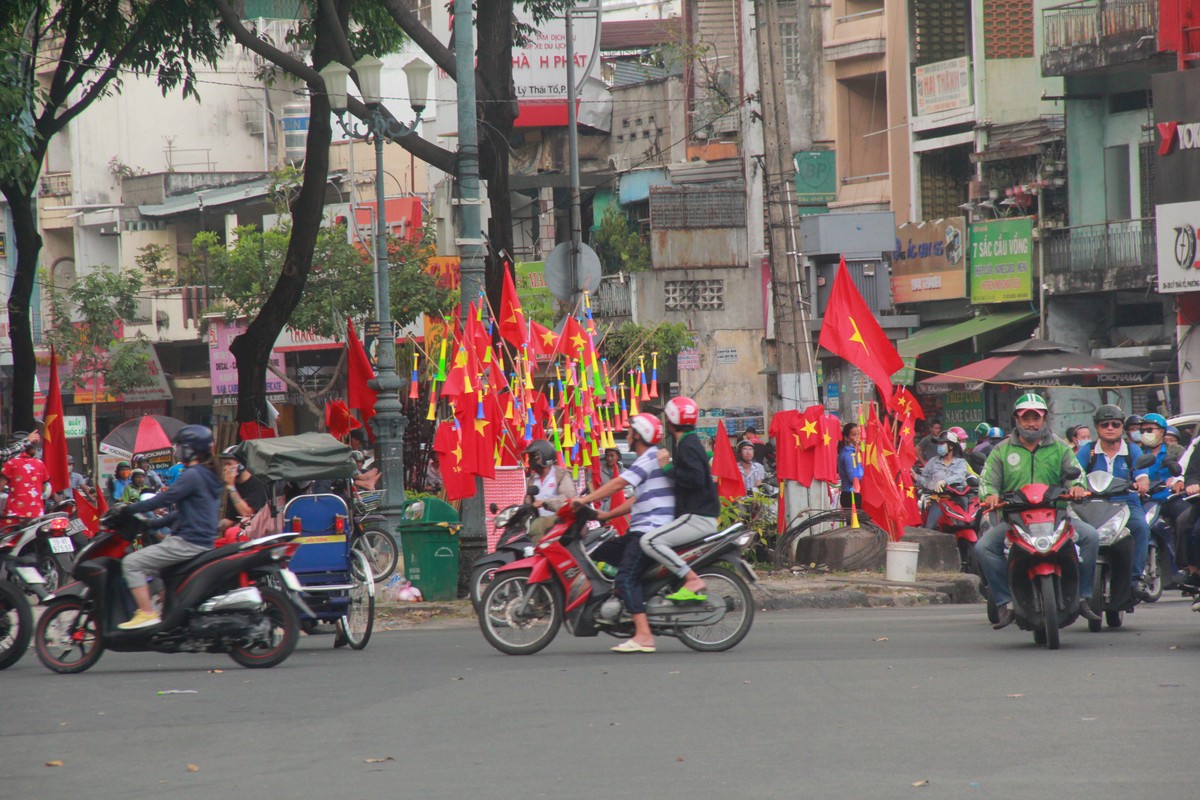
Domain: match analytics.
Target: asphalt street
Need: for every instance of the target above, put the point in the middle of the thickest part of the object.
(856, 703)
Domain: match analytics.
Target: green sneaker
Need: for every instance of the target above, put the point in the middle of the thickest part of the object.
(686, 596)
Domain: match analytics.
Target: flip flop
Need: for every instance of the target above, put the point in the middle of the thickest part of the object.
(630, 646)
(686, 596)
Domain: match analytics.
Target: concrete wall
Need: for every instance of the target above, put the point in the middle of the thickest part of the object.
(734, 382)
(743, 300)
(660, 106)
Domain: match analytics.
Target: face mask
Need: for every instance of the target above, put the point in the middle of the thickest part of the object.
(1082, 440)
(1135, 436)
(943, 449)
(1151, 439)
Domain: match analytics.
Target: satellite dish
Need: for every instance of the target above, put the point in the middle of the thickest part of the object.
(558, 272)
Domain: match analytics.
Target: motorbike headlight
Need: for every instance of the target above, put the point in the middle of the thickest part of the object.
(1110, 530)
(1040, 535)
(504, 517)
(744, 539)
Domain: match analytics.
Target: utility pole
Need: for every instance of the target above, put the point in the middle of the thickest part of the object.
(469, 237)
(573, 156)
(796, 379)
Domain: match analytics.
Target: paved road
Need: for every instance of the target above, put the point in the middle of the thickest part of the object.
(860, 703)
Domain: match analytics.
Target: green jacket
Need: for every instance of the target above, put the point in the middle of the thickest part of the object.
(1011, 465)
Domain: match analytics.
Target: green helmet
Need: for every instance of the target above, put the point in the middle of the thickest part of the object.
(1031, 400)
(981, 430)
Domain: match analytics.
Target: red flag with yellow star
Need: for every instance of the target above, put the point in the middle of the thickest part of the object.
(725, 469)
(511, 321)
(905, 405)
(448, 445)
(542, 340)
(54, 450)
(882, 497)
(575, 339)
(850, 330)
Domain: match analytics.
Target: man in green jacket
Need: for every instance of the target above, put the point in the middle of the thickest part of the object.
(1032, 454)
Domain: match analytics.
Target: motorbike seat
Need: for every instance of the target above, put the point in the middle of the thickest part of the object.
(183, 567)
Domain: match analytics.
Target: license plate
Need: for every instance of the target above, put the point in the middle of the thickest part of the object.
(76, 526)
(61, 544)
(30, 575)
(290, 580)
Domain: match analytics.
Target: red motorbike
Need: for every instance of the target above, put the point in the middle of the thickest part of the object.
(1043, 564)
(528, 600)
(959, 504)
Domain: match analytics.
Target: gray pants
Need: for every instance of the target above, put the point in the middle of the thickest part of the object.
(659, 543)
(150, 561)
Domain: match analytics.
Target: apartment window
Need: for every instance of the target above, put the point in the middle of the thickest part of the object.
(706, 295)
(789, 37)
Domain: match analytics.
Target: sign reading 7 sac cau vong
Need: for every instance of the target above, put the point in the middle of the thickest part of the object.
(1001, 255)
(929, 261)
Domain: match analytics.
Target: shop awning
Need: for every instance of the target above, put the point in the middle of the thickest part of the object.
(936, 338)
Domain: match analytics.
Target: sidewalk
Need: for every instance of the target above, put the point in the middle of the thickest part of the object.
(773, 591)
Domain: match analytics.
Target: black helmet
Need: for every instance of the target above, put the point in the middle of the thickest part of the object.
(1106, 412)
(192, 441)
(1131, 420)
(540, 452)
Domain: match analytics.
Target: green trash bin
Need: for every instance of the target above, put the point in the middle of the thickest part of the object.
(429, 542)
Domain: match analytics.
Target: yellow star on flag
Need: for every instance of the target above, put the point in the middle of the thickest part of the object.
(857, 337)
(577, 340)
(50, 427)
(481, 426)
(548, 338)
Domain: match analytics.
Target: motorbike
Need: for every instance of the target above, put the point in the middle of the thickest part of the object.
(19, 576)
(961, 513)
(1160, 556)
(529, 600)
(1107, 512)
(48, 542)
(1043, 567)
(240, 599)
(514, 543)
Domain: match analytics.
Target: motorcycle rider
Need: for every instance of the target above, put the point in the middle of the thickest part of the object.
(696, 501)
(1032, 454)
(652, 506)
(1133, 428)
(1119, 460)
(27, 479)
(554, 484)
(195, 494)
(948, 468)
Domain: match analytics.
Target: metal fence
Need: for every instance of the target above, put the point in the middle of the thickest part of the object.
(1109, 245)
(1086, 23)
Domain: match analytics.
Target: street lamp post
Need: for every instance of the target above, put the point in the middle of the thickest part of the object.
(390, 420)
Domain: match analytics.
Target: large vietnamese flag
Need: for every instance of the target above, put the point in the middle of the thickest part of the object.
(54, 450)
(850, 330)
(725, 469)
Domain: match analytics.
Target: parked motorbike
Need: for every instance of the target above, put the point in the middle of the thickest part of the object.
(530, 599)
(1043, 567)
(514, 543)
(49, 542)
(18, 576)
(224, 600)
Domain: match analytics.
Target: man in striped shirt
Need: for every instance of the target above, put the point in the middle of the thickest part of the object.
(652, 506)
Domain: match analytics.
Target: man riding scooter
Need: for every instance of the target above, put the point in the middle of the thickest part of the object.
(1112, 454)
(1032, 454)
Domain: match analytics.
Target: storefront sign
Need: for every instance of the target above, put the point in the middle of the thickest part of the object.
(944, 86)
(727, 355)
(929, 262)
(1000, 257)
(75, 427)
(816, 177)
(539, 69)
(688, 358)
(222, 366)
(1178, 264)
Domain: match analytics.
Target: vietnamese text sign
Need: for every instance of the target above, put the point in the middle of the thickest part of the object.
(1178, 265)
(929, 262)
(539, 69)
(1001, 254)
(222, 366)
(944, 86)
(816, 176)
(75, 427)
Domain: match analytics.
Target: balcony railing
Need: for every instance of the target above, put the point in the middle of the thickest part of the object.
(1097, 33)
(1124, 244)
(614, 298)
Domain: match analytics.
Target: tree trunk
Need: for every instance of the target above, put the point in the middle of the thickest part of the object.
(20, 325)
(252, 349)
(495, 31)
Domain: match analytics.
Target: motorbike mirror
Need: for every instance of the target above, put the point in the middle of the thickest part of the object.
(532, 491)
(973, 481)
(145, 495)
(1145, 460)
(1173, 467)
(493, 508)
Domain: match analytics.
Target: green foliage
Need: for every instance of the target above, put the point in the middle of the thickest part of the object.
(620, 247)
(340, 286)
(627, 341)
(86, 320)
(152, 260)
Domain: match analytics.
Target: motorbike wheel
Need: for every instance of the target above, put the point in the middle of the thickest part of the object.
(356, 626)
(1097, 601)
(1114, 618)
(1153, 575)
(67, 637)
(511, 631)
(51, 571)
(16, 625)
(1049, 595)
(285, 633)
(380, 549)
(481, 578)
(724, 588)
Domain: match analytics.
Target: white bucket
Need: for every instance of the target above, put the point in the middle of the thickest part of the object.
(902, 562)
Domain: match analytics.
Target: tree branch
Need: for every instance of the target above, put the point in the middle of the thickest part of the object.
(299, 389)
(422, 37)
(341, 45)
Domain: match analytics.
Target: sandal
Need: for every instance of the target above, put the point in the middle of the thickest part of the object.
(684, 595)
(630, 646)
